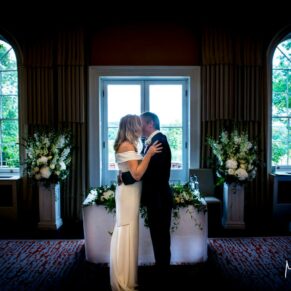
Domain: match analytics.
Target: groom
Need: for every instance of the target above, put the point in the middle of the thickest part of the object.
(156, 192)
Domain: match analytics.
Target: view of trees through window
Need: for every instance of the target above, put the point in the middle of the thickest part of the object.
(281, 105)
(9, 135)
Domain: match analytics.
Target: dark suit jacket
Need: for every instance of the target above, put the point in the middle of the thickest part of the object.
(156, 191)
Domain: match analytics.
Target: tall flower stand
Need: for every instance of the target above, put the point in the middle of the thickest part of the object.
(233, 206)
(49, 207)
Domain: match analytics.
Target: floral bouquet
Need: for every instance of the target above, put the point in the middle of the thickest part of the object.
(184, 196)
(48, 155)
(103, 195)
(236, 157)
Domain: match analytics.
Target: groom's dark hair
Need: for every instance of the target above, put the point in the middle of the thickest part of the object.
(149, 116)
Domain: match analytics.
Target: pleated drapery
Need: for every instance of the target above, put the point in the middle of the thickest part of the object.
(54, 73)
(233, 96)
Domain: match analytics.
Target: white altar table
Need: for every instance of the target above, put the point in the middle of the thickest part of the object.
(188, 241)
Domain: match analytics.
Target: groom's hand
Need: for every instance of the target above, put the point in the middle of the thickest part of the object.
(127, 179)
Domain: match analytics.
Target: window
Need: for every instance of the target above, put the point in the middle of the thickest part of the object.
(173, 93)
(281, 105)
(9, 132)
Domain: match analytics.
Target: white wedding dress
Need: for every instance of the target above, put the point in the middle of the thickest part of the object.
(124, 241)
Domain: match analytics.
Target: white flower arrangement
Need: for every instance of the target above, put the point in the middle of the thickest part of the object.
(48, 155)
(236, 157)
(103, 195)
(182, 197)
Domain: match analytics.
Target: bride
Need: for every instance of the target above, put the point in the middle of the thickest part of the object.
(124, 241)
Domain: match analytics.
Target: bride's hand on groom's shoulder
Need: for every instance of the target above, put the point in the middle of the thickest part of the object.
(155, 148)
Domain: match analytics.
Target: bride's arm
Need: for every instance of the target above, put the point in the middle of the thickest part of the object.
(137, 168)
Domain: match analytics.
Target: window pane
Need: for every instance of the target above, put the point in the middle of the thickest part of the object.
(9, 107)
(279, 141)
(122, 100)
(9, 82)
(174, 135)
(9, 143)
(112, 132)
(166, 102)
(280, 105)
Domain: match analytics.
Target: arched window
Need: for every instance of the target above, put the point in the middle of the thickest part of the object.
(9, 125)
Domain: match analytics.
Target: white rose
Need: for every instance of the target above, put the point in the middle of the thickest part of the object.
(42, 160)
(231, 164)
(45, 172)
(231, 172)
(108, 194)
(241, 174)
(243, 165)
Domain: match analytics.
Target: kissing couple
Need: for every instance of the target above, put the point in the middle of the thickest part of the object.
(144, 179)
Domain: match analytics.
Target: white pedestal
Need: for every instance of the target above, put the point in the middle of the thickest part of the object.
(188, 242)
(49, 207)
(233, 206)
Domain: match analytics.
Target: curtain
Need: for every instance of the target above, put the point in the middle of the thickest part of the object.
(55, 88)
(233, 96)
(71, 92)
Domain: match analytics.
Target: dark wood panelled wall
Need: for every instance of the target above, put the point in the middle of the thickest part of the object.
(54, 60)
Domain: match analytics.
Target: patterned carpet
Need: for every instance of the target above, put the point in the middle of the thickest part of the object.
(249, 263)
(256, 263)
(38, 264)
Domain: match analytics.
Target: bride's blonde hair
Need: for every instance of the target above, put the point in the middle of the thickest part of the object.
(129, 130)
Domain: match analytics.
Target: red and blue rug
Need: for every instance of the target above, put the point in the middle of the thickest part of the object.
(38, 264)
(252, 263)
(256, 263)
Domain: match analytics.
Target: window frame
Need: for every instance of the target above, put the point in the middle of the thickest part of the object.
(13, 170)
(95, 108)
(280, 37)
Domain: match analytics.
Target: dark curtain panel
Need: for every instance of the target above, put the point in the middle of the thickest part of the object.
(55, 78)
(233, 96)
(71, 92)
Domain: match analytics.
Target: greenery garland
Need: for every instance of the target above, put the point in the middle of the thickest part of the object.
(183, 196)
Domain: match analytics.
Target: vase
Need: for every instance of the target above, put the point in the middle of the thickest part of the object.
(233, 206)
(49, 206)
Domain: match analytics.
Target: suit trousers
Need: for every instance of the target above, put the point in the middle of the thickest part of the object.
(160, 223)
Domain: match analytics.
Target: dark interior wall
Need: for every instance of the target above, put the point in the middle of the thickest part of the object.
(136, 42)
